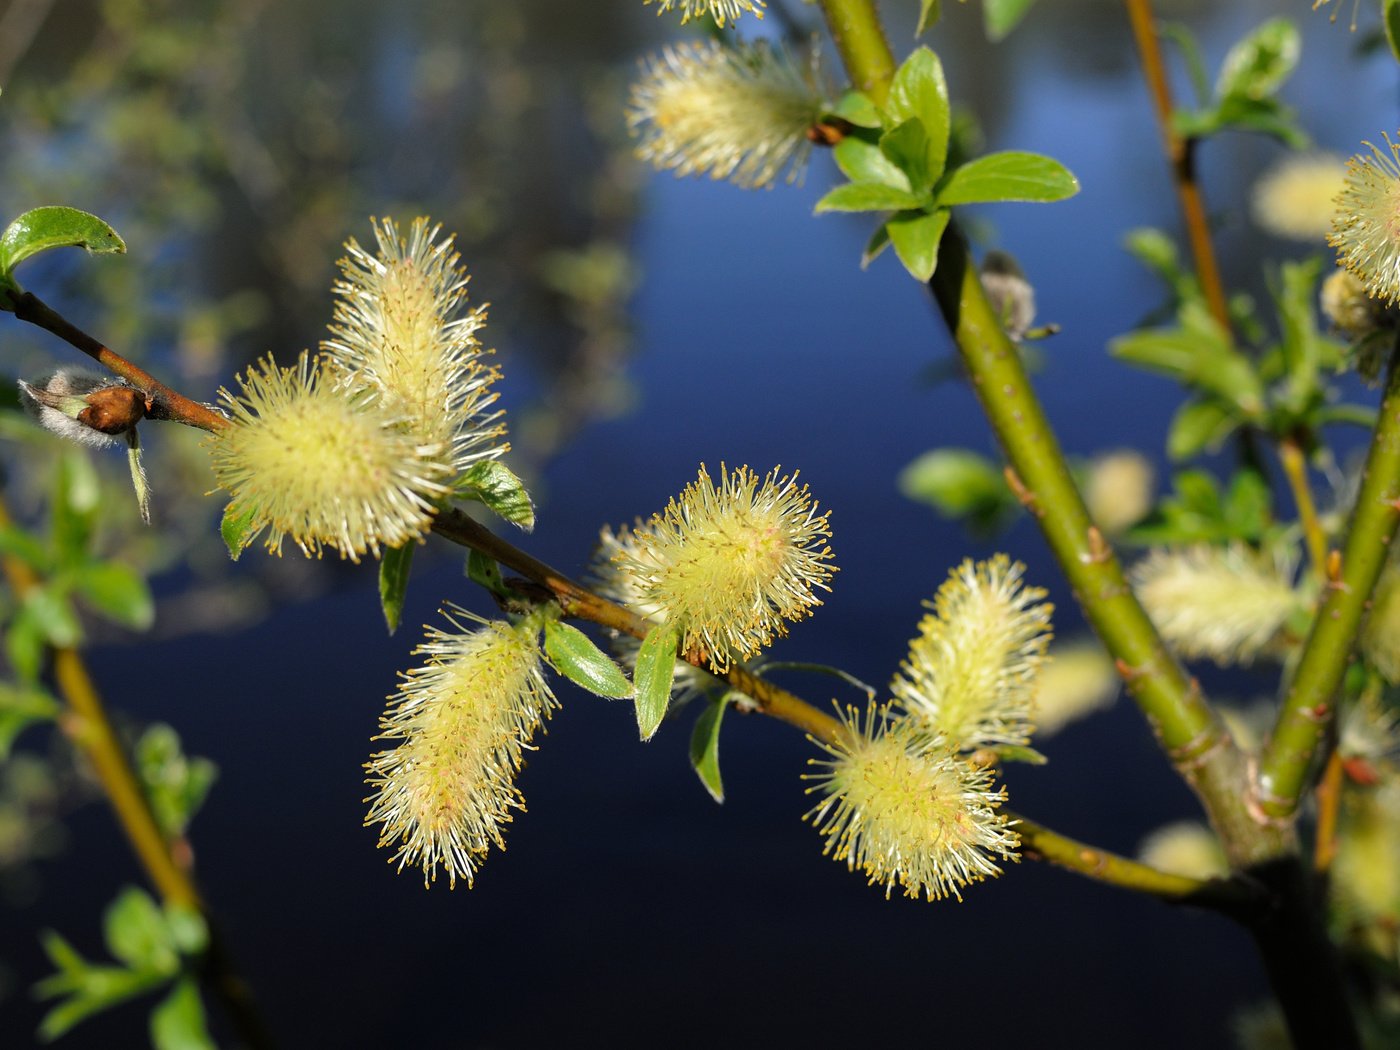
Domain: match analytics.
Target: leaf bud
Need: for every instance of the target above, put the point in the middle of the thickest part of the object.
(83, 407)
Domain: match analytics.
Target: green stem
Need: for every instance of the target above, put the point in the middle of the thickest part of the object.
(1308, 709)
(1190, 731)
(860, 38)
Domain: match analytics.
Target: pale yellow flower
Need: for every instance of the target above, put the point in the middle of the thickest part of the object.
(1366, 873)
(1119, 490)
(904, 808)
(403, 335)
(739, 112)
(1296, 197)
(1076, 680)
(729, 563)
(1366, 221)
(309, 462)
(1225, 603)
(970, 675)
(444, 794)
(720, 10)
(1346, 305)
(1186, 847)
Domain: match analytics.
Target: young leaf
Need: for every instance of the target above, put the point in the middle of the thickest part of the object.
(237, 528)
(394, 568)
(1019, 753)
(494, 484)
(1199, 426)
(920, 90)
(484, 570)
(135, 931)
(857, 108)
(1001, 16)
(1259, 64)
(178, 1022)
(54, 227)
(866, 196)
(915, 236)
(20, 708)
(959, 483)
(704, 747)
(1009, 176)
(176, 784)
(53, 615)
(906, 147)
(879, 241)
(863, 161)
(15, 542)
(656, 666)
(1390, 14)
(118, 592)
(929, 13)
(574, 655)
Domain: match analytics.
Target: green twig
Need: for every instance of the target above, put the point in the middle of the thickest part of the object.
(1308, 709)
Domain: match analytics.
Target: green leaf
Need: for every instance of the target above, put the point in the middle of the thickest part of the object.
(863, 161)
(856, 107)
(54, 227)
(237, 527)
(493, 483)
(906, 147)
(135, 931)
(1198, 353)
(1248, 506)
(656, 666)
(176, 784)
(915, 236)
(15, 542)
(19, 709)
(1018, 753)
(177, 1023)
(1185, 42)
(53, 615)
(62, 954)
(1012, 175)
(704, 747)
(77, 495)
(394, 569)
(1001, 16)
(1199, 426)
(574, 655)
(482, 569)
(866, 196)
(24, 645)
(767, 666)
(929, 13)
(879, 241)
(959, 483)
(1258, 65)
(103, 987)
(1390, 14)
(920, 90)
(188, 930)
(118, 592)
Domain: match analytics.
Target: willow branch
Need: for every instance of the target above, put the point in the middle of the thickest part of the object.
(860, 38)
(166, 862)
(1308, 709)
(1295, 469)
(161, 401)
(1181, 153)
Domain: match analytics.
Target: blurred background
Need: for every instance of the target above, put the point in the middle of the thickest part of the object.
(644, 325)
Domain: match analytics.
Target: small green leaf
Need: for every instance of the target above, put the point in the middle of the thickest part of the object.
(856, 107)
(493, 483)
(394, 569)
(960, 484)
(1390, 14)
(24, 645)
(177, 1023)
(1019, 753)
(915, 236)
(135, 931)
(54, 227)
(103, 987)
(1248, 505)
(53, 615)
(866, 196)
(806, 667)
(118, 592)
(62, 954)
(574, 655)
(77, 494)
(920, 90)
(482, 569)
(1259, 64)
(20, 708)
(879, 241)
(1200, 426)
(862, 161)
(929, 13)
(1009, 176)
(656, 666)
(906, 147)
(188, 930)
(237, 527)
(1001, 16)
(176, 784)
(704, 747)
